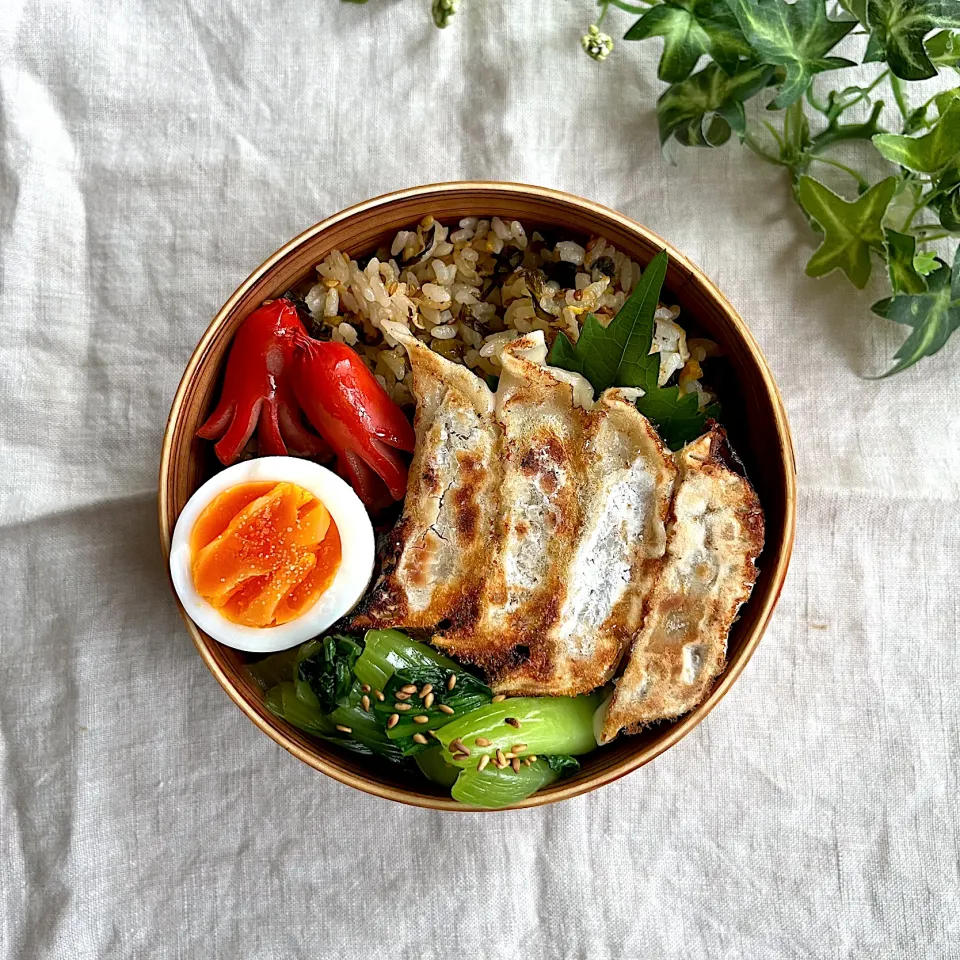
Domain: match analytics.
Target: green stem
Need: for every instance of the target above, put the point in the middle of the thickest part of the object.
(876, 83)
(846, 131)
(897, 87)
(792, 124)
(755, 146)
(773, 132)
(942, 235)
(862, 183)
(814, 102)
(918, 206)
(605, 7)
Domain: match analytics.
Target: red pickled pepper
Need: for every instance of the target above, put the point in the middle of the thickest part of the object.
(256, 393)
(351, 410)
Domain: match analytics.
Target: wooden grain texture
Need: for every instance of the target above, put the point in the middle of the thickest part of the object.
(754, 415)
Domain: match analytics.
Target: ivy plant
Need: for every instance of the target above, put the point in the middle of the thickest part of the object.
(718, 55)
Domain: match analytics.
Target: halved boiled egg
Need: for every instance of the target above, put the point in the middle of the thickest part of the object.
(270, 552)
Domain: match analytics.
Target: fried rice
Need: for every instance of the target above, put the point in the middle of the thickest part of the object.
(466, 291)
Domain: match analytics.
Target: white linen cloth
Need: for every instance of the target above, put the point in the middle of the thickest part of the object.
(152, 155)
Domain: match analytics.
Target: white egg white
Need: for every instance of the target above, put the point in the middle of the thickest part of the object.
(343, 594)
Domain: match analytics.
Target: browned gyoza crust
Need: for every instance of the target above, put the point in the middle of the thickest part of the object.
(558, 515)
(604, 481)
(435, 563)
(714, 535)
(539, 513)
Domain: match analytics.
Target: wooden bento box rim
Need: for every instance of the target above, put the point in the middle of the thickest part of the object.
(470, 198)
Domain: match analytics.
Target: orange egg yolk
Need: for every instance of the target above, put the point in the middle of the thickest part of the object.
(263, 553)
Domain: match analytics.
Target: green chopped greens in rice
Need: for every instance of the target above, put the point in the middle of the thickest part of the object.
(467, 291)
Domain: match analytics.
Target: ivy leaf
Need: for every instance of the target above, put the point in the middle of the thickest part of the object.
(943, 49)
(850, 229)
(897, 29)
(948, 210)
(796, 36)
(691, 29)
(929, 153)
(933, 315)
(618, 355)
(857, 8)
(901, 255)
(703, 109)
(926, 262)
(945, 98)
(907, 196)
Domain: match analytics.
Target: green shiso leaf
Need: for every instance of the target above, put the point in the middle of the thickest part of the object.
(618, 355)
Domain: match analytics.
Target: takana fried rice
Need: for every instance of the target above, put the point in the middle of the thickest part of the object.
(467, 291)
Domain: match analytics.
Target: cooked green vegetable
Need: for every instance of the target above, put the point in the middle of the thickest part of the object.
(321, 689)
(324, 671)
(385, 651)
(409, 707)
(365, 729)
(274, 669)
(565, 766)
(283, 701)
(435, 767)
(324, 695)
(493, 788)
(545, 725)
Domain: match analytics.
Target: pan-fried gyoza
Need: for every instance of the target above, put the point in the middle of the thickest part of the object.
(545, 534)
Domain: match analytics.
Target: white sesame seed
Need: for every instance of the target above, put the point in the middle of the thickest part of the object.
(519, 747)
(499, 697)
(425, 690)
(365, 687)
(482, 742)
(445, 708)
(393, 721)
(379, 695)
(452, 682)
(484, 760)
(408, 688)
(422, 718)
(402, 706)
(344, 729)
(419, 738)
(428, 700)
(515, 763)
